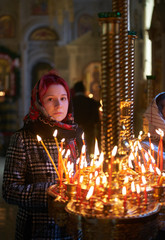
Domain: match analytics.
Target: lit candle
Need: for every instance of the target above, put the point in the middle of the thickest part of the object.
(59, 158)
(64, 167)
(124, 192)
(40, 140)
(89, 195)
(160, 149)
(114, 151)
(138, 194)
(62, 142)
(159, 175)
(145, 190)
(82, 136)
(55, 138)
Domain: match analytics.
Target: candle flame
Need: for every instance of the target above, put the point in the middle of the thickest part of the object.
(39, 138)
(96, 173)
(96, 152)
(140, 133)
(90, 176)
(124, 191)
(114, 151)
(143, 168)
(67, 153)
(144, 180)
(55, 133)
(104, 179)
(63, 151)
(126, 179)
(83, 149)
(158, 171)
(149, 134)
(130, 162)
(91, 164)
(82, 136)
(137, 188)
(131, 156)
(146, 155)
(152, 159)
(97, 181)
(101, 159)
(81, 178)
(133, 186)
(139, 145)
(152, 146)
(161, 132)
(70, 167)
(90, 192)
(77, 162)
(63, 140)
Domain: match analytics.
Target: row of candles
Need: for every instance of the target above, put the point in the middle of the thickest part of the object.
(138, 165)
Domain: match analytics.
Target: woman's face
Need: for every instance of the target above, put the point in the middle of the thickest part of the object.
(55, 101)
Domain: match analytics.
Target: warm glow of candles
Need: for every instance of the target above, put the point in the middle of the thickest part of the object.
(98, 181)
(40, 140)
(143, 170)
(145, 191)
(100, 161)
(138, 194)
(96, 150)
(62, 142)
(90, 193)
(83, 150)
(159, 175)
(82, 136)
(70, 169)
(104, 181)
(55, 137)
(124, 193)
(114, 151)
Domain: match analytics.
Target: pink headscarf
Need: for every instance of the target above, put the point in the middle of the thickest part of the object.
(39, 90)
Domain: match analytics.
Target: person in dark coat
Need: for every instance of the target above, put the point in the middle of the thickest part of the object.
(86, 113)
(28, 170)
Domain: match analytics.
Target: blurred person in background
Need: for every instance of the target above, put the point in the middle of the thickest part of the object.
(86, 114)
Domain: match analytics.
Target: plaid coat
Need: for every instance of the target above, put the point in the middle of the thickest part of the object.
(27, 175)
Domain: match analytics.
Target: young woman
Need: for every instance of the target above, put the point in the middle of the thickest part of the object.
(28, 171)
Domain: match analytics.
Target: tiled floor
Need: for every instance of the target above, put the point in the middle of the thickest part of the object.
(7, 212)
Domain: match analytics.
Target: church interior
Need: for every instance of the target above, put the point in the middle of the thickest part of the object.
(70, 36)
